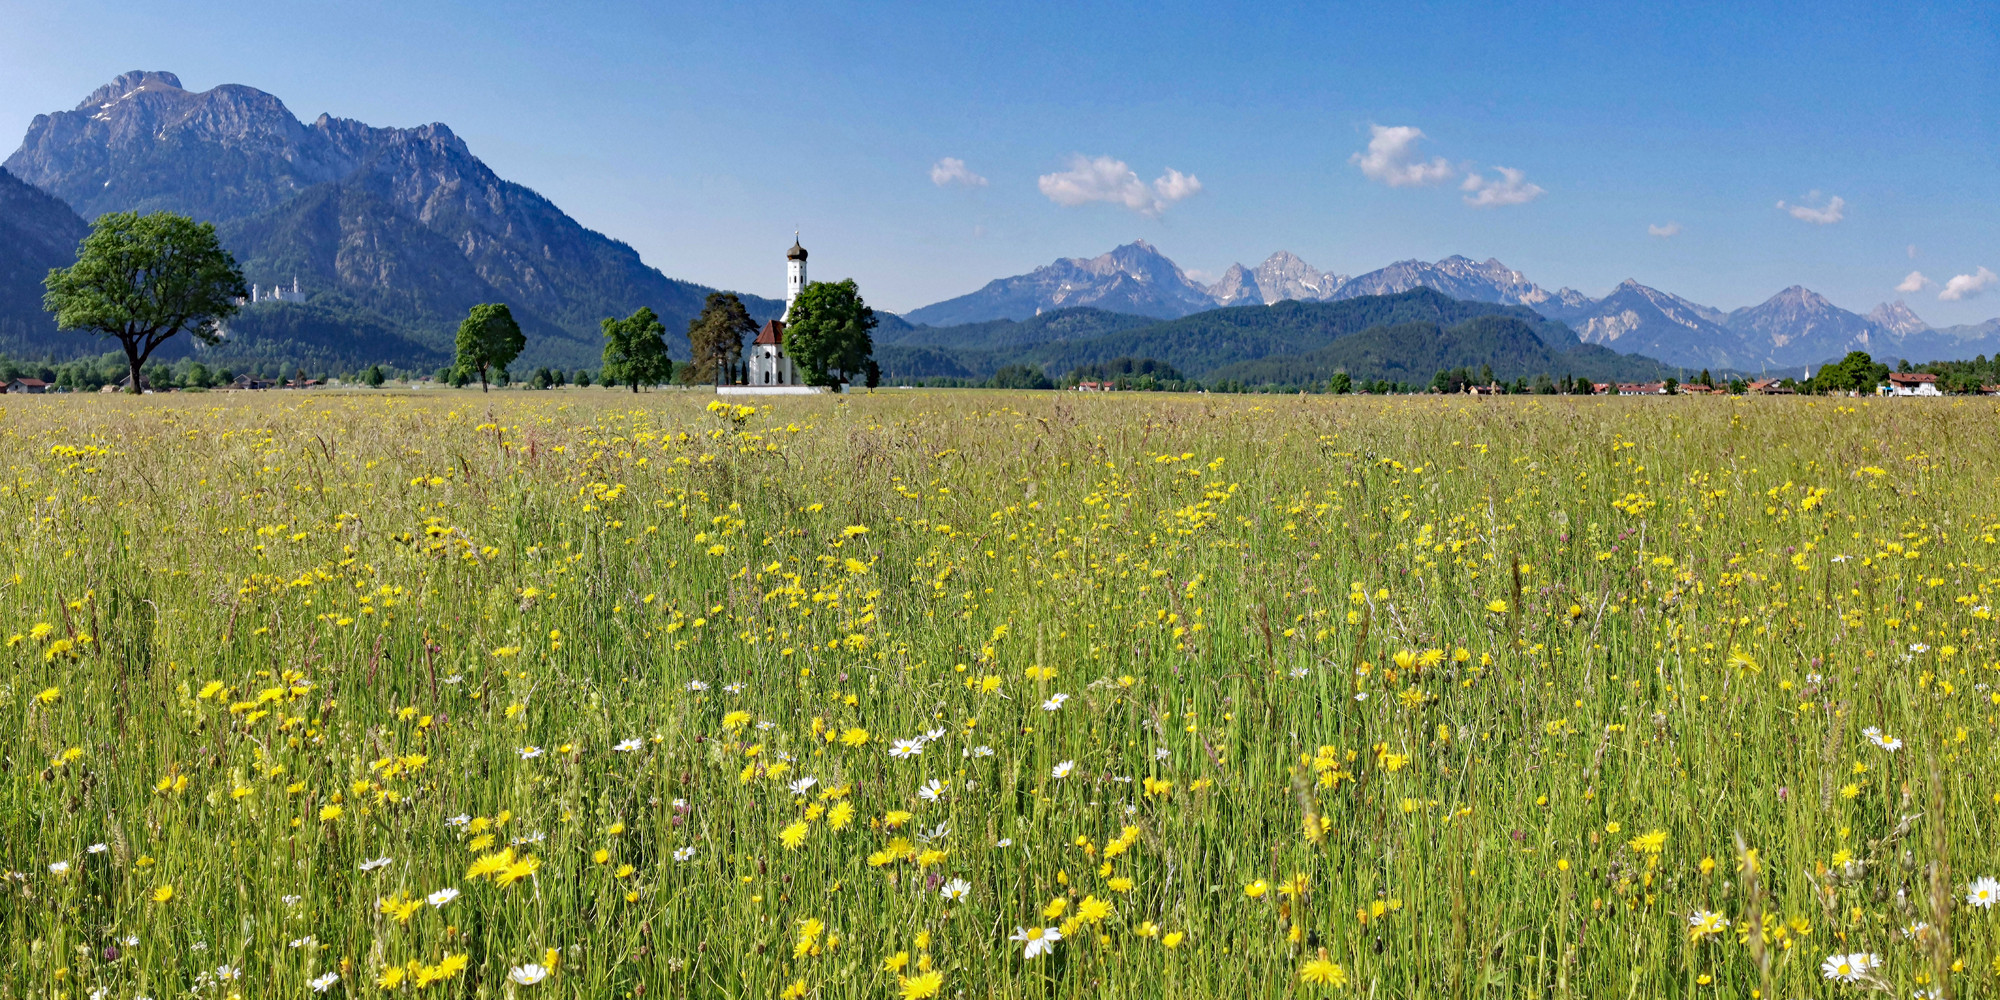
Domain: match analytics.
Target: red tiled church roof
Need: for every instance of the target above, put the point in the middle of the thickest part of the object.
(772, 333)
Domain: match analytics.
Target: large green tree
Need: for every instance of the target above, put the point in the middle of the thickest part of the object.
(827, 333)
(717, 336)
(1857, 372)
(635, 350)
(144, 279)
(488, 339)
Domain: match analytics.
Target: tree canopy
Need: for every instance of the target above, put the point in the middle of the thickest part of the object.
(1856, 372)
(143, 280)
(488, 339)
(635, 350)
(717, 336)
(828, 332)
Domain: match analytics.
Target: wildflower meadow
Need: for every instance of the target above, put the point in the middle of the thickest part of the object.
(984, 694)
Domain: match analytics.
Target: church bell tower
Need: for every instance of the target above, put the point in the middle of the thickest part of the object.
(795, 274)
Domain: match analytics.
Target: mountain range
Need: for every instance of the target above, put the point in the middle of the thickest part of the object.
(1403, 337)
(392, 232)
(37, 232)
(1794, 328)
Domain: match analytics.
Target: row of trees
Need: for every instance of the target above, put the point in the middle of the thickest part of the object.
(143, 280)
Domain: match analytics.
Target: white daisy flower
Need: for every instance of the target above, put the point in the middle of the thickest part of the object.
(1037, 941)
(1063, 769)
(441, 897)
(1055, 701)
(684, 854)
(527, 975)
(381, 862)
(931, 791)
(902, 749)
(956, 889)
(324, 983)
(530, 753)
(1983, 892)
(627, 746)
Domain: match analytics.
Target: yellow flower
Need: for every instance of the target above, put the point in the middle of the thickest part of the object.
(517, 871)
(1648, 843)
(1056, 907)
(163, 894)
(1172, 940)
(1497, 606)
(50, 696)
(794, 835)
(390, 978)
(490, 864)
(794, 991)
(840, 815)
(328, 814)
(1092, 910)
(1256, 889)
(855, 736)
(1322, 971)
(896, 962)
(923, 986)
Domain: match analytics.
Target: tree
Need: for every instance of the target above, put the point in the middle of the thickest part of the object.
(582, 378)
(374, 377)
(488, 339)
(1341, 384)
(635, 350)
(717, 336)
(1857, 372)
(1019, 377)
(828, 333)
(143, 279)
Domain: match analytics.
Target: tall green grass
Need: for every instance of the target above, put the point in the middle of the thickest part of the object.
(1446, 699)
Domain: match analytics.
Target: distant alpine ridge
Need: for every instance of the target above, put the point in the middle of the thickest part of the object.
(391, 232)
(37, 232)
(1794, 328)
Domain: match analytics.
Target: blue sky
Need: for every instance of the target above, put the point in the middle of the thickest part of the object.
(701, 134)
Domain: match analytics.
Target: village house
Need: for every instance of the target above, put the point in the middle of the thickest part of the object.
(1770, 387)
(1912, 384)
(1642, 388)
(28, 385)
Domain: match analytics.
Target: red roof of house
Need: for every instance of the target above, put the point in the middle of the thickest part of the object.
(772, 333)
(32, 382)
(1911, 378)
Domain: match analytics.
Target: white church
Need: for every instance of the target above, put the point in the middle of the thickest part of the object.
(769, 371)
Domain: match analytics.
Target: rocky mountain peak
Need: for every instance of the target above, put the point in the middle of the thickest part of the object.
(128, 84)
(1897, 318)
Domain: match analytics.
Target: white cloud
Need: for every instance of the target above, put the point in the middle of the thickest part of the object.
(1102, 178)
(1392, 158)
(1965, 286)
(1670, 229)
(1915, 282)
(1510, 188)
(1825, 215)
(952, 170)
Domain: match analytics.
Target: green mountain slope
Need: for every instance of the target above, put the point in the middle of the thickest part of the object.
(1405, 337)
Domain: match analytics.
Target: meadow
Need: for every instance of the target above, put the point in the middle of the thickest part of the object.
(987, 694)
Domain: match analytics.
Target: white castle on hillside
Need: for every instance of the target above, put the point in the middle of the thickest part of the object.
(769, 370)
(275, 293)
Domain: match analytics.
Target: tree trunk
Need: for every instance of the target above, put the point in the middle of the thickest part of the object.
(134, 360)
